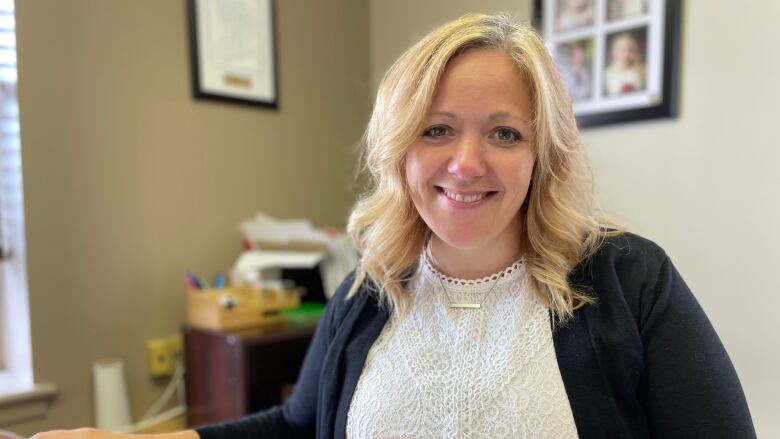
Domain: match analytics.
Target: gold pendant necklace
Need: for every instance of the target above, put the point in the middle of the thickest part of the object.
(468, 304)
(447, 293)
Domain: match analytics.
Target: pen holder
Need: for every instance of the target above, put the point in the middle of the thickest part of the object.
(233, 308)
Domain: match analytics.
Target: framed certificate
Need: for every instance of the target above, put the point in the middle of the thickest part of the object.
(233, 55)
(619, 59)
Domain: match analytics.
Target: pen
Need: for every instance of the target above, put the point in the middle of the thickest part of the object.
(190, 280)
(194, 281)
(219, 281)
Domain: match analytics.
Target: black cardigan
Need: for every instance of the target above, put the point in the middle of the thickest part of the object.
(643, 361)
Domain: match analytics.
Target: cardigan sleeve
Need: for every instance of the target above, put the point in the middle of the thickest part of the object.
(689, 388)
(296, 418)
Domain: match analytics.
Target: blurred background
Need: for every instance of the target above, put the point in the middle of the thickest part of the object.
(129, 181)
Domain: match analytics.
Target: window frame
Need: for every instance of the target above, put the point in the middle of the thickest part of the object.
(16, 368)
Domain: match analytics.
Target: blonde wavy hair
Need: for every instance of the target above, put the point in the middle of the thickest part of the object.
(560, 229)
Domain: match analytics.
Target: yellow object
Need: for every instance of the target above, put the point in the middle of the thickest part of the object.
(159, 358)
(176, 345)
(238, 307)
(161, 355)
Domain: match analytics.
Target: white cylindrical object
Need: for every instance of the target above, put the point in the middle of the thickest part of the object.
(112, 405)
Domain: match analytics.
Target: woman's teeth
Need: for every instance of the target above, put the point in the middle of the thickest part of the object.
(464, 198)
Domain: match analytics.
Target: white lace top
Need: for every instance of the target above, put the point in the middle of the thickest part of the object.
(441, 372)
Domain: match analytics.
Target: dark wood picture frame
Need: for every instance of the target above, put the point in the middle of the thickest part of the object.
(664, 103)
(234, 86)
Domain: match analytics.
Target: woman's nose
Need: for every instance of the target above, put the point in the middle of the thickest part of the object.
(467, 161)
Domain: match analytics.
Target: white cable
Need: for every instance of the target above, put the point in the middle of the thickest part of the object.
(162, 417)
(151, 417)
(175, 383)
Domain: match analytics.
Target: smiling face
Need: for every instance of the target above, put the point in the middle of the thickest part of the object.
(625, 51)
(469, 171)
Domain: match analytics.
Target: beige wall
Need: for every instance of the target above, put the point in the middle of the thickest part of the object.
(129, 181)
(397, 24)
(704, 186)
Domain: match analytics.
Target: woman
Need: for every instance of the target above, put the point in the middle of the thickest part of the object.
(575, 66)
(626, 72)
(489, 301)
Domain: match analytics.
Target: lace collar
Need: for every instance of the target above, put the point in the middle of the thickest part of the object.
(429, 270)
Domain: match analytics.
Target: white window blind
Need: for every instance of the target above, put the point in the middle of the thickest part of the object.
(15, 349)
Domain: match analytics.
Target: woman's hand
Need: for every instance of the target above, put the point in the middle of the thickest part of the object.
(93, 433)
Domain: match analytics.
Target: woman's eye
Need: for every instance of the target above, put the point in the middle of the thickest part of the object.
(507, 135)
(436, 132)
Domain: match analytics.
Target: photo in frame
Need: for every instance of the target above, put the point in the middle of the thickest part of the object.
(233, 51)
(619, 59)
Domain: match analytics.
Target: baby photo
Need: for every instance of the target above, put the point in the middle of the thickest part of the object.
(624, 70)
(575, 62)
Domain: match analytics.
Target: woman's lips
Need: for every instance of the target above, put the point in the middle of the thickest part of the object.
(464, 198)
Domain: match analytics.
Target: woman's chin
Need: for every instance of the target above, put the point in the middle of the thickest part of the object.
(457, 240)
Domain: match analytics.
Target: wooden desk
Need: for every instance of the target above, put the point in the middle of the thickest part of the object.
(232, 374)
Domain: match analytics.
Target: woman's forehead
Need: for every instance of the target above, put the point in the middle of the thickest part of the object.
(483, 80)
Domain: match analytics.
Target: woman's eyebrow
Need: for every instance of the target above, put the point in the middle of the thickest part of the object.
(497, 115)
(444, 113)
(504, 115)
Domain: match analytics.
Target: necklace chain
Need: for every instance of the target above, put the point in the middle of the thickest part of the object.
(463, 304)
(471, 305)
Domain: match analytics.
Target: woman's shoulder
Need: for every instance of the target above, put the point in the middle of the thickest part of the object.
(340, 301)
(623, 252)
(625, 268)
(343, 303)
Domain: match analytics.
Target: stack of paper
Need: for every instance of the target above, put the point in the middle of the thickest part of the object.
(293, 244)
